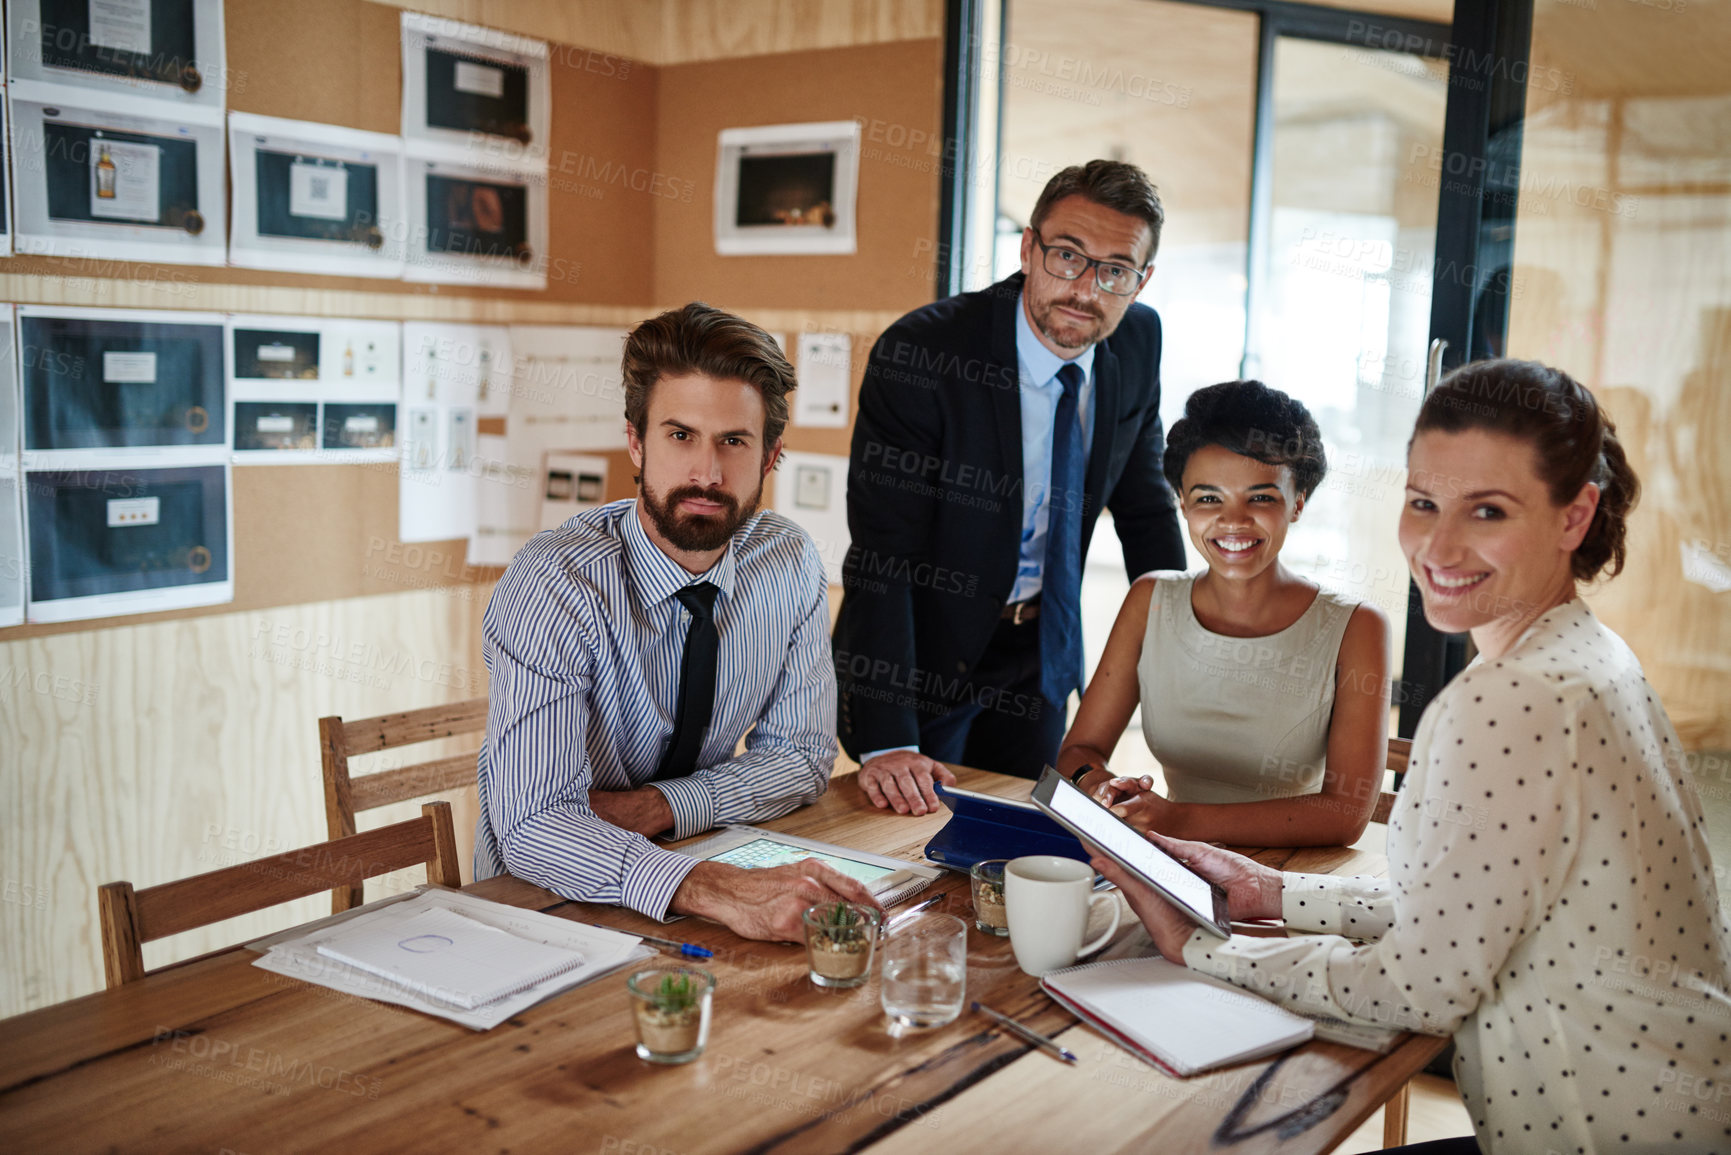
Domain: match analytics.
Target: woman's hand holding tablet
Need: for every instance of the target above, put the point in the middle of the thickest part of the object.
(1204, 902)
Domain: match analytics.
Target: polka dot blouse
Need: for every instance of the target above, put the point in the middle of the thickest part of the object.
(1550, 904)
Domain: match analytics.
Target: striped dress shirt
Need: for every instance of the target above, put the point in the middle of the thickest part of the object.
(583, 639)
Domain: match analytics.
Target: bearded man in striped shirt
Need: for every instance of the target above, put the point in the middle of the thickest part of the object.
(633, 647)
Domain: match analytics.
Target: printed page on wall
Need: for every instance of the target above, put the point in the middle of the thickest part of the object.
(169, 54)
(127, 493)
(313, 391)
(92, 179)
(474, 93)
(314, 198)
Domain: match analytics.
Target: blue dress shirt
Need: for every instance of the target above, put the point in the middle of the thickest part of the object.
(583, 639)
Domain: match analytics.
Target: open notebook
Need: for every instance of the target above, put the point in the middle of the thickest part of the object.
(1173, 1017)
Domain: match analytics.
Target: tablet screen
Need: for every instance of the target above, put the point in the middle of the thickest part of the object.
(1107, 831)
(765, 852)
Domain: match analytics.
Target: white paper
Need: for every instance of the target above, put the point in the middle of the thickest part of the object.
(448, 956)
(361, 423)
(825, 367)
(318, 190)
(295, 953)
(137, 181)
(570, 483)
(120, 368)
(423, 449)
(810, 489)
(123, 25)
(480, 79)
(276, 424)
(134, 511)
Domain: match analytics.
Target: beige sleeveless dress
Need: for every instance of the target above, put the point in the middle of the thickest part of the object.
(1238, 719)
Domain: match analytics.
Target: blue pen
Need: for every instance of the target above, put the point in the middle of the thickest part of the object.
(686, 949)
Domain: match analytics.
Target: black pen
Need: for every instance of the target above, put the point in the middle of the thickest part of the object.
(1028, 1034)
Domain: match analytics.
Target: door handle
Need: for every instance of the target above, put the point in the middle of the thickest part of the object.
(1433, 364)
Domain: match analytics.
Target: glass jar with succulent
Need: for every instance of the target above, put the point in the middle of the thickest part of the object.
(671, 1007)
(988, 883)
(839, 940)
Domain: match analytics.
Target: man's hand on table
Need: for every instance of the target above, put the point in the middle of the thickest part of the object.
(644, 811)
(902, 781)
(765, 903)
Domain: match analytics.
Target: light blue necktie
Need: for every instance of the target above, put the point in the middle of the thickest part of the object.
(1061, 578)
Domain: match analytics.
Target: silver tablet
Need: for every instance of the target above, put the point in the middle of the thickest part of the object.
(1203, 901)
(889, 879)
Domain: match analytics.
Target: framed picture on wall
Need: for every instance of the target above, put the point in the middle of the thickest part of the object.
(291, 379)
(91, 180)
(163, 50)
(313, 198)
(476, 224)
(108, 541)
(120, 381)
(787, 188)
(470, 90)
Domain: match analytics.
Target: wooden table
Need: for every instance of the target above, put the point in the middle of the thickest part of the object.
(220, 1055)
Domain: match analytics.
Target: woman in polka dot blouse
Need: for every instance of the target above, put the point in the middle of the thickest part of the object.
(1550, 900)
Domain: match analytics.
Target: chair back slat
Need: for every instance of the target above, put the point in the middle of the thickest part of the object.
(373, 790)
(131, 918)
(370, 735)
(235, 890)
(1399, 753)
(346, 795)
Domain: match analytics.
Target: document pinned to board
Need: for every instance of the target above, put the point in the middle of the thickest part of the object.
(498, 959)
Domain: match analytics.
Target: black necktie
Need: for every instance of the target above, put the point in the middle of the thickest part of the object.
(1061, 577)
(696, 683)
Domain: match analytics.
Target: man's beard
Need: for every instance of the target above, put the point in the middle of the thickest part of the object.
(694, 532)
(1069, 337)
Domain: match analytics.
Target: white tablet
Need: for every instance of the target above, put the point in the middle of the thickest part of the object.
(1203, 901)
(889, 879)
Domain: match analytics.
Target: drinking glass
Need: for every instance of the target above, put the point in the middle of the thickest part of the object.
(988, 884)
(925, 970)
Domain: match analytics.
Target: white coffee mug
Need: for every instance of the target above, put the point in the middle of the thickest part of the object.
(1048, 901)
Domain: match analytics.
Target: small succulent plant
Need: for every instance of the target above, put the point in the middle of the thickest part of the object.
(676, 994)
(843, 924)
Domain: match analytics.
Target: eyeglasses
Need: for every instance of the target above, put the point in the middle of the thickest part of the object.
(1067, 264)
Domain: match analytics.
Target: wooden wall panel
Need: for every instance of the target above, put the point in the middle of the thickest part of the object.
(896, 90)
(153, 752)
(682, 31)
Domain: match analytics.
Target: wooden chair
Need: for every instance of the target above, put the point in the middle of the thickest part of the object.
(130, 918)
(1394, 1112)
(346, 796)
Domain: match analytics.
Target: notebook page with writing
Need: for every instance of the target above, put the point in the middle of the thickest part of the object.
(448, 956)
(1184, 1021)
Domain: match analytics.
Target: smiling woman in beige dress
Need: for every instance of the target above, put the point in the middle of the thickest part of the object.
(1550, 902)
(1264, 697)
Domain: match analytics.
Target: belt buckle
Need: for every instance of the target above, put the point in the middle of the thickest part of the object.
(1016, 614)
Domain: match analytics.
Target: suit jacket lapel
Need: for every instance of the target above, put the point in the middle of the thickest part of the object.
(1108, 396)
(1005, 388)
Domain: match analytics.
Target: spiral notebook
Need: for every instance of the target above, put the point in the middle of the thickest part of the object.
(449, 957)
(1173, 1017)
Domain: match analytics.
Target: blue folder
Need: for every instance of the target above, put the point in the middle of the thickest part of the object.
(980, 828)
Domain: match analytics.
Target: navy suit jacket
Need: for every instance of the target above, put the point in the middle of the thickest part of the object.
(934, 503)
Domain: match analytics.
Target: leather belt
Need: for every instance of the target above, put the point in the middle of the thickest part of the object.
(1018, 612)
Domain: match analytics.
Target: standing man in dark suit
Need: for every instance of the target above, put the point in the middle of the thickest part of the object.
(993, 426)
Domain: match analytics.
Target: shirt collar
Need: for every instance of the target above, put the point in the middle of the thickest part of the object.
(657, 577)
(1040, 362)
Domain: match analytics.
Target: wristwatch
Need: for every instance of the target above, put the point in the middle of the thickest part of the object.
(1076, 778)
